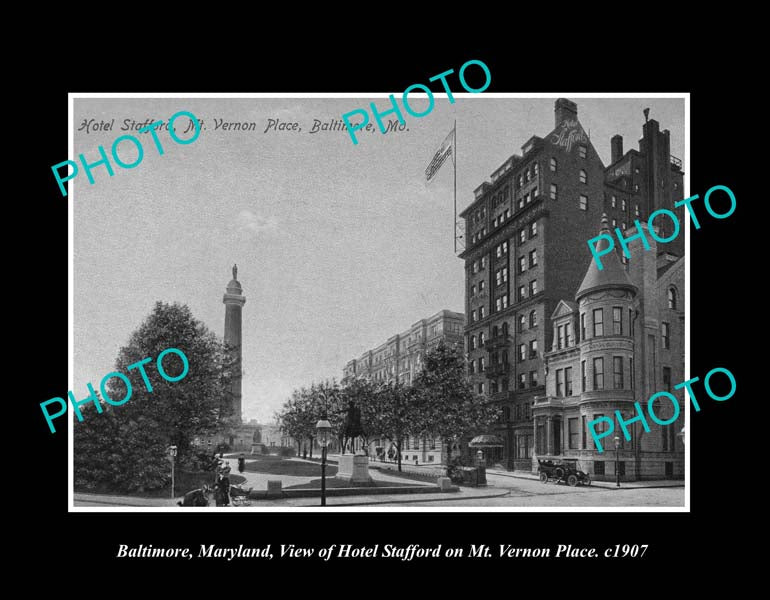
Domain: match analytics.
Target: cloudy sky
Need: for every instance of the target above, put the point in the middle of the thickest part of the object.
(338, 246)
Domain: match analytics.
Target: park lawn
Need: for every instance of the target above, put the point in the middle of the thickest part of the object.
(184, 481)
(315, 484)
(275, 465)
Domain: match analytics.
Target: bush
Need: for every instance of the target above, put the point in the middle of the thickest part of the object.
(286, 452)
(265, 450)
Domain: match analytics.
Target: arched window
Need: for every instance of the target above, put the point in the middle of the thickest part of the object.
(672, 298)
(583, 176)
(533, 319)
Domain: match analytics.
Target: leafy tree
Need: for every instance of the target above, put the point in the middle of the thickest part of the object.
(132, 438)
(393, 413)
(446, 405)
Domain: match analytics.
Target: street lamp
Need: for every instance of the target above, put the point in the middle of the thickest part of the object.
(617, 460)
(323, 427)
(171, 457)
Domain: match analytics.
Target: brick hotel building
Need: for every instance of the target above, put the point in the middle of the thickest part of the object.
(525, 259)
(400, 359)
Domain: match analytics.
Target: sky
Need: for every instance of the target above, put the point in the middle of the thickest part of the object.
(338, 246)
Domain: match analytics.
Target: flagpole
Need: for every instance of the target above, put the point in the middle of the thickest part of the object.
(454, 217)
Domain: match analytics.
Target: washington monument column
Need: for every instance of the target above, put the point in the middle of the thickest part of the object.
(234, 301)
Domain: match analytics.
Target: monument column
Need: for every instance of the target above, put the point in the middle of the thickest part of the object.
(234, 301)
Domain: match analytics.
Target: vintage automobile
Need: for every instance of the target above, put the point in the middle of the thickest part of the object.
(562, 469)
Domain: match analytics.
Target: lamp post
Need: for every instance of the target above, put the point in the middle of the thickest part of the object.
(617, 461)
(323, 429)
(172, 457)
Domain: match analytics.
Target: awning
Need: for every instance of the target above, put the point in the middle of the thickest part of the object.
(486, 441)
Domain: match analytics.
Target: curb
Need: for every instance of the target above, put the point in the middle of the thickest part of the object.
(413, 500)
(600, 484)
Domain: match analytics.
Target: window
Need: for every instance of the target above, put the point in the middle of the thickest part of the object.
(472, 343)
(505, 300)
(631, 322)
(521, 292)
(554, 193)
(667, 378)
(520, 202)
(568, 341)
(505, 329)
(505, 247)
(507, 213)
(583, 376)
(532, 229)
(623, 205)
(672, 298)
(582, 151)
(598, 467)
(623, 228)
(614, 202)
(498, 277)
(522, 381)
(481, 312)
(568, 381)
(473, 316)
(473, 290)
(533, 379)
(481, 363)
(498, 305)
(631, 372)
(583, 176)
(481, 286)
(520, 180)
(532, 258)
(483, 261)
(522, 236)
(499, 250)
(636, 187)
(583, 420)
(553, 165)
(598, 322)
(664, 335)
(471, 367)
(533, 349)
(582, 326)
(572, 429)
(505, 274)
(636, 209)
(614, 223)
(481, 339)
(560, 337)
(617, 322)
(522, 264)
(522, 322)
(583, 202)
(526, 175)
(522, 352)
(481, 387)
(559, 383)
(535, 169)
(617, 369)
(599, 373)
(533, 287)
(532, 319)
(533, 195)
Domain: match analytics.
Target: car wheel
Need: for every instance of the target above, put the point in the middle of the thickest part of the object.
(559, 473)
(572, 480)
(543, 477)
(586, 480)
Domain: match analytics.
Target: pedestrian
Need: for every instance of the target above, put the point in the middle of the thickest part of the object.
(224, 486)
(241, 463)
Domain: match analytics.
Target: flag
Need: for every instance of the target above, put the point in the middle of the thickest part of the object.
(446, 150)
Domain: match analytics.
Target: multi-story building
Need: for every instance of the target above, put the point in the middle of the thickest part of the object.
(400, 358)
(526, 232)
(620, 343)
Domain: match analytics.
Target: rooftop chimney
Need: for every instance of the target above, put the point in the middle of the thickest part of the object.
(564, 110)
(616, 144)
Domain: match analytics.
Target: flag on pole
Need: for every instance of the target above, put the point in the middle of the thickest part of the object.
(446, 150)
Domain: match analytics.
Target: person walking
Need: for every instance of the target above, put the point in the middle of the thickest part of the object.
(224, 486)
(241, 463)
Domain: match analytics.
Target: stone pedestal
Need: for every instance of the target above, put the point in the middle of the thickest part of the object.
(354, 468)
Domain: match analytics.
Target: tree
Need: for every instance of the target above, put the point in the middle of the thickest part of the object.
(131, 440)
(393, 413)
(447, 407)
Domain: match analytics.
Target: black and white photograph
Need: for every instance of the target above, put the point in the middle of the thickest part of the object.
(317, 302)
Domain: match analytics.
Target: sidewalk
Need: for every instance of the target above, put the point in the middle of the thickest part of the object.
(661, 483)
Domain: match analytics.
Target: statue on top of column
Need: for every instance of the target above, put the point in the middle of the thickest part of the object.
(235, 272)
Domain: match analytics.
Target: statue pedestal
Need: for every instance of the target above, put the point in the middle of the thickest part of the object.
(354, 468)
